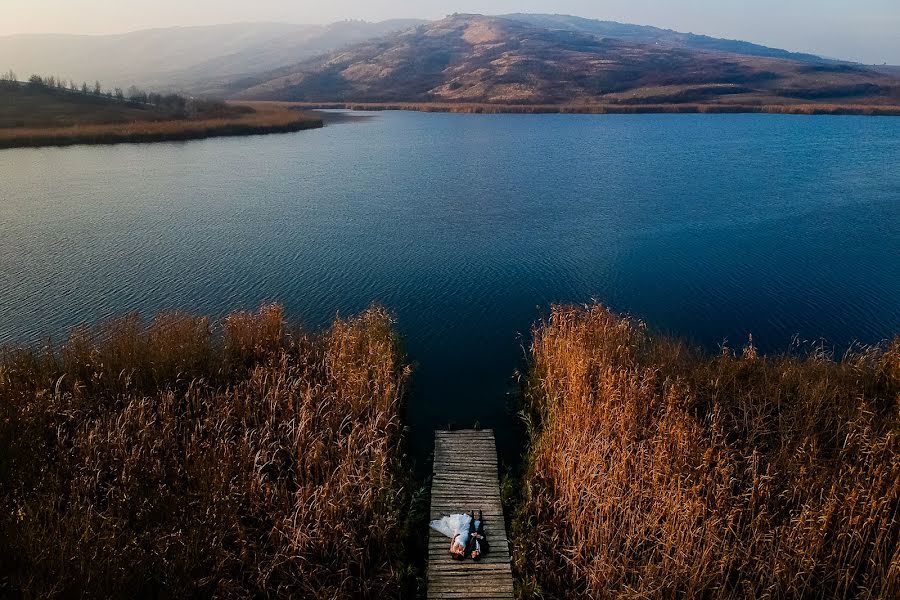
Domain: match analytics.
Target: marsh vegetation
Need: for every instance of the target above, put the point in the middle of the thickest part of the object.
(181, 459)
(656, 471)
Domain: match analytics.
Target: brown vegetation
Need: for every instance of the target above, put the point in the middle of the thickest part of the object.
(33, 116)
(254, 123)
(162, 460)
(601, 109)
(658, 472)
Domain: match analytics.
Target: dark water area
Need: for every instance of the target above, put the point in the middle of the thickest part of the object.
(469, 227)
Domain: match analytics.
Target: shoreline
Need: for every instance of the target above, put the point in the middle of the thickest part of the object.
(267, 119)
(603, 109)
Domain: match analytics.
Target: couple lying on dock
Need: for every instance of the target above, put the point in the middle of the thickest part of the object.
(466, 535)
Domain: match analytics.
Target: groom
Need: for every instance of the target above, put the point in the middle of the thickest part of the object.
(478, 544)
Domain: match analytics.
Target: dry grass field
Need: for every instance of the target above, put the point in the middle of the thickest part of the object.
(656, 471)
(180, 460)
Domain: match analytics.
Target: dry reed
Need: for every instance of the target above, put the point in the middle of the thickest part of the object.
(884, 110)
(164, 460)
(265, 120)
(656, 471)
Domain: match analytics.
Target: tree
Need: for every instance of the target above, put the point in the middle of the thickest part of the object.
(36, 81)
(119, 93)
(98, 89)
(8, 80)
(136, 94)
(85, 89)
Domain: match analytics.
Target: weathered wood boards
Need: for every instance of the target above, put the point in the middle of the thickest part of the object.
(465, 479)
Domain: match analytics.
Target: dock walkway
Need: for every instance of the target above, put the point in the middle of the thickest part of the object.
(465, 479)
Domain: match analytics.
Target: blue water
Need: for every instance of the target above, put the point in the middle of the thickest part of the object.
(469, 227)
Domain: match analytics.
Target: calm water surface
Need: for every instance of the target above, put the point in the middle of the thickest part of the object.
(469, 227)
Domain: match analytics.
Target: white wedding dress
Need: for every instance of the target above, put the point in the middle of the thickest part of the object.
(454, 526)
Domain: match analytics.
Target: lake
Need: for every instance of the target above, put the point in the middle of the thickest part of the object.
(468, 227)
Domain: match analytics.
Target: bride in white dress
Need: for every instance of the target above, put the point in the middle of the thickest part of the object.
(455, 527)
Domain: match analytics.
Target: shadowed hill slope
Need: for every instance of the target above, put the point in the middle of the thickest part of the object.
(29, 105)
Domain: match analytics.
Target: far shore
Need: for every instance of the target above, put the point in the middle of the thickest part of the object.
(266, 118)
(600, 109)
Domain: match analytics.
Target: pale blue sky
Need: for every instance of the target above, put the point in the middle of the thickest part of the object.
(863, 30)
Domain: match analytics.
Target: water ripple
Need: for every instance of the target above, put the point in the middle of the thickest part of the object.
(469, 227)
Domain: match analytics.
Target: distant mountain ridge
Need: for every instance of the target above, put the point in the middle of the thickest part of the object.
(515, 60)
(197, 59)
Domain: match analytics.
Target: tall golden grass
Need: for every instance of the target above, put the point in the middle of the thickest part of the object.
(257, 121)
(657, 472)
(166, 460)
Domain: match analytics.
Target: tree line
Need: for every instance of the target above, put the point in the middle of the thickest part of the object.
(133, 95)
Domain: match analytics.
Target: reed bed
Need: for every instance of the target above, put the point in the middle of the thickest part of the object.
(265, 120)
(610, 108)
(656, 471)
(177, 459)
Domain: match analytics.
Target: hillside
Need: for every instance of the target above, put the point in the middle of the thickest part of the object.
(643, 34)
(194, 59)
(893, 70)
(498, 60)
(33, 106)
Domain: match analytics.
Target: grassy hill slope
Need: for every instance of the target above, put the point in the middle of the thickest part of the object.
(644, 34)
(494, 60)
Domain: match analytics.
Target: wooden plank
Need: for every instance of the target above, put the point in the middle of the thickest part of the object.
(465, 479)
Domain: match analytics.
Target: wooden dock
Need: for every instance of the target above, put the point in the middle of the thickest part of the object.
(465, 479)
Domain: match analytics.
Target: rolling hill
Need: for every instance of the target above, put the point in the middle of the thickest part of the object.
(522, 61)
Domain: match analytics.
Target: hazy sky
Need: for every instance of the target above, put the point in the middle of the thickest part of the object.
(863, 30)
